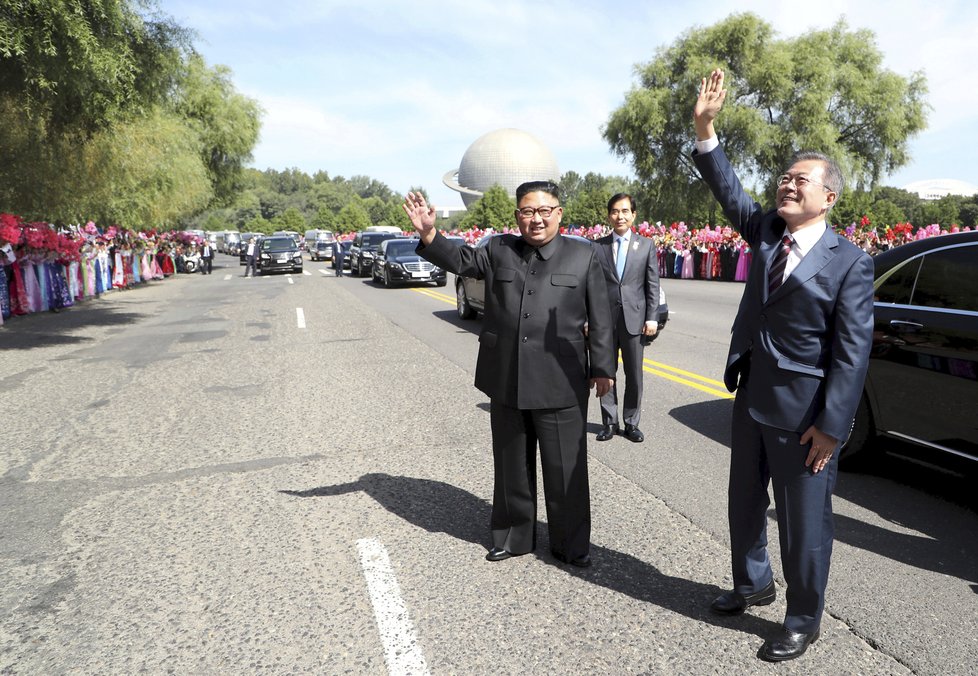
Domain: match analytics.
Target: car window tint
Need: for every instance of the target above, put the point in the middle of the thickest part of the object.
(898, 286)
(948, 279)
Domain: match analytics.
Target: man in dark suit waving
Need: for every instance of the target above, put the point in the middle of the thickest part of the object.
(535, 365)
(631, 273)
(798, 358)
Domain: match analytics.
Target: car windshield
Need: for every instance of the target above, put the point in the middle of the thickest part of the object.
(402, 248)
(277, 243)
(324, 245)
(375, 238)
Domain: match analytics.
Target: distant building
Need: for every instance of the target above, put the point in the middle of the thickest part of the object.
(935, 189)
(507, 157)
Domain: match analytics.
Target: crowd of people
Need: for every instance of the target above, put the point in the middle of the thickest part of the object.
(720, 252)
(45, 268)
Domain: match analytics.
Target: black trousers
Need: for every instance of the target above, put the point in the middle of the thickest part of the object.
(563, 458)
(206, 265)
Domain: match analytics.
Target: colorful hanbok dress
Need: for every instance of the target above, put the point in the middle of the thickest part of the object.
(31, 286)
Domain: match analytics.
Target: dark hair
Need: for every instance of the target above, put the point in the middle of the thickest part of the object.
(618, 198)
(834, 180)
(548, 187)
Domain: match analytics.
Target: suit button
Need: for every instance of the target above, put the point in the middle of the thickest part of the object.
(525, 339)
(533, 272)
(530, 292)
(526, 315)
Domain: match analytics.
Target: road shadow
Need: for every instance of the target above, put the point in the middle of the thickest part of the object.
(709, 418)
(438, 507)
(45, 329)
(473, 326)
(914, 498)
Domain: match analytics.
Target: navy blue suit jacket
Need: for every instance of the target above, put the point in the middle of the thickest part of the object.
(807, 345)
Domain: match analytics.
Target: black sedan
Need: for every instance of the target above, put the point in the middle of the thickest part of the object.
(922, 384)
(470, 293)
(396, 262)
(278, 254)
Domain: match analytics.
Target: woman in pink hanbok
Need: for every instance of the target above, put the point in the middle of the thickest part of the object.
(145, 271)
(688, 264)
(31, 286)
(743, 264)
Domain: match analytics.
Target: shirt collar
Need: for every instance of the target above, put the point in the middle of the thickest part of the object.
(805, 238)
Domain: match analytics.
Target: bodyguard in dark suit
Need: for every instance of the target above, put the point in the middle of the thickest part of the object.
(631, 273)
(798, 358)
(535, 365)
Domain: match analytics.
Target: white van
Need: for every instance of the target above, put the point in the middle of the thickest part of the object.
(383, 228)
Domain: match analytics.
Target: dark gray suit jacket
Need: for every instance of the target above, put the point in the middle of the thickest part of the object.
(807, 346)
(532, 349)
(636, 295)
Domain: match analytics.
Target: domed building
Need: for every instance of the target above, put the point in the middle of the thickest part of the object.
(508, 157)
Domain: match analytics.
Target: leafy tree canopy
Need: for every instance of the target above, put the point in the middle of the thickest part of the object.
(495, 209)
(825, 90)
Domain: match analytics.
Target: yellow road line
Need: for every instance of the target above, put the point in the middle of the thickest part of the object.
(688, 374)
(723, 394)
(436, 295)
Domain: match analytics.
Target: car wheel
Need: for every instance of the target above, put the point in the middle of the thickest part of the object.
(441, 282)
(465, 310)
(387, 279)
(858, 447)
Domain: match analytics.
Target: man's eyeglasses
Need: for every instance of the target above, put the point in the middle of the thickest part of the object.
(528, 212)
(799, 181)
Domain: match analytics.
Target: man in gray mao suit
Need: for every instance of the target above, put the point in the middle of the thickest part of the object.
(798, 358)
(535, 365)
(631, 273)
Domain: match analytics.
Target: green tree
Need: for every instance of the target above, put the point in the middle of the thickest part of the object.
(352, 217)
(944, 211)
(825, 90)
(495, 209)
(81, 64)
(324, 219)
(290, 219)
(227, 123)
(588, 207)
(259, 224)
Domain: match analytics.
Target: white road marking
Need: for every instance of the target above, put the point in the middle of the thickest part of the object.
(300, 317)
(401, 649)
(307, 273)
(227, 277)
(323, 271)
(290, 280)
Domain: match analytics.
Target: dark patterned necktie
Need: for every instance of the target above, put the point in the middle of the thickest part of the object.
(776, 275)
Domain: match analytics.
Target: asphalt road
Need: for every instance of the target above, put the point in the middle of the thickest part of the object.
(292, 474)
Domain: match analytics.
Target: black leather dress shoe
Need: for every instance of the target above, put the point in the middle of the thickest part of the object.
(607, 432)
(633, 433)
(735, 603)
(497, 554)
(580, 561)
(787, 646)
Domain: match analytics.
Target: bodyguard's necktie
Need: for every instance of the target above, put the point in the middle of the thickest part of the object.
(776, 275)
(620, 258)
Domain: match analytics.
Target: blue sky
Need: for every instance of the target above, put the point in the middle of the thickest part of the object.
(398, 90)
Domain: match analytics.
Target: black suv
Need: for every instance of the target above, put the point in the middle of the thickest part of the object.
(922, 383)
(396, 262)
(362, 251)
(278, 253)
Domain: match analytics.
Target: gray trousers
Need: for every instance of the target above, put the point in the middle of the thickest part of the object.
(632, 354)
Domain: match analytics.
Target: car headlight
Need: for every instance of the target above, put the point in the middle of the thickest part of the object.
(265, 256)
(395, 266)
(297, 254)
